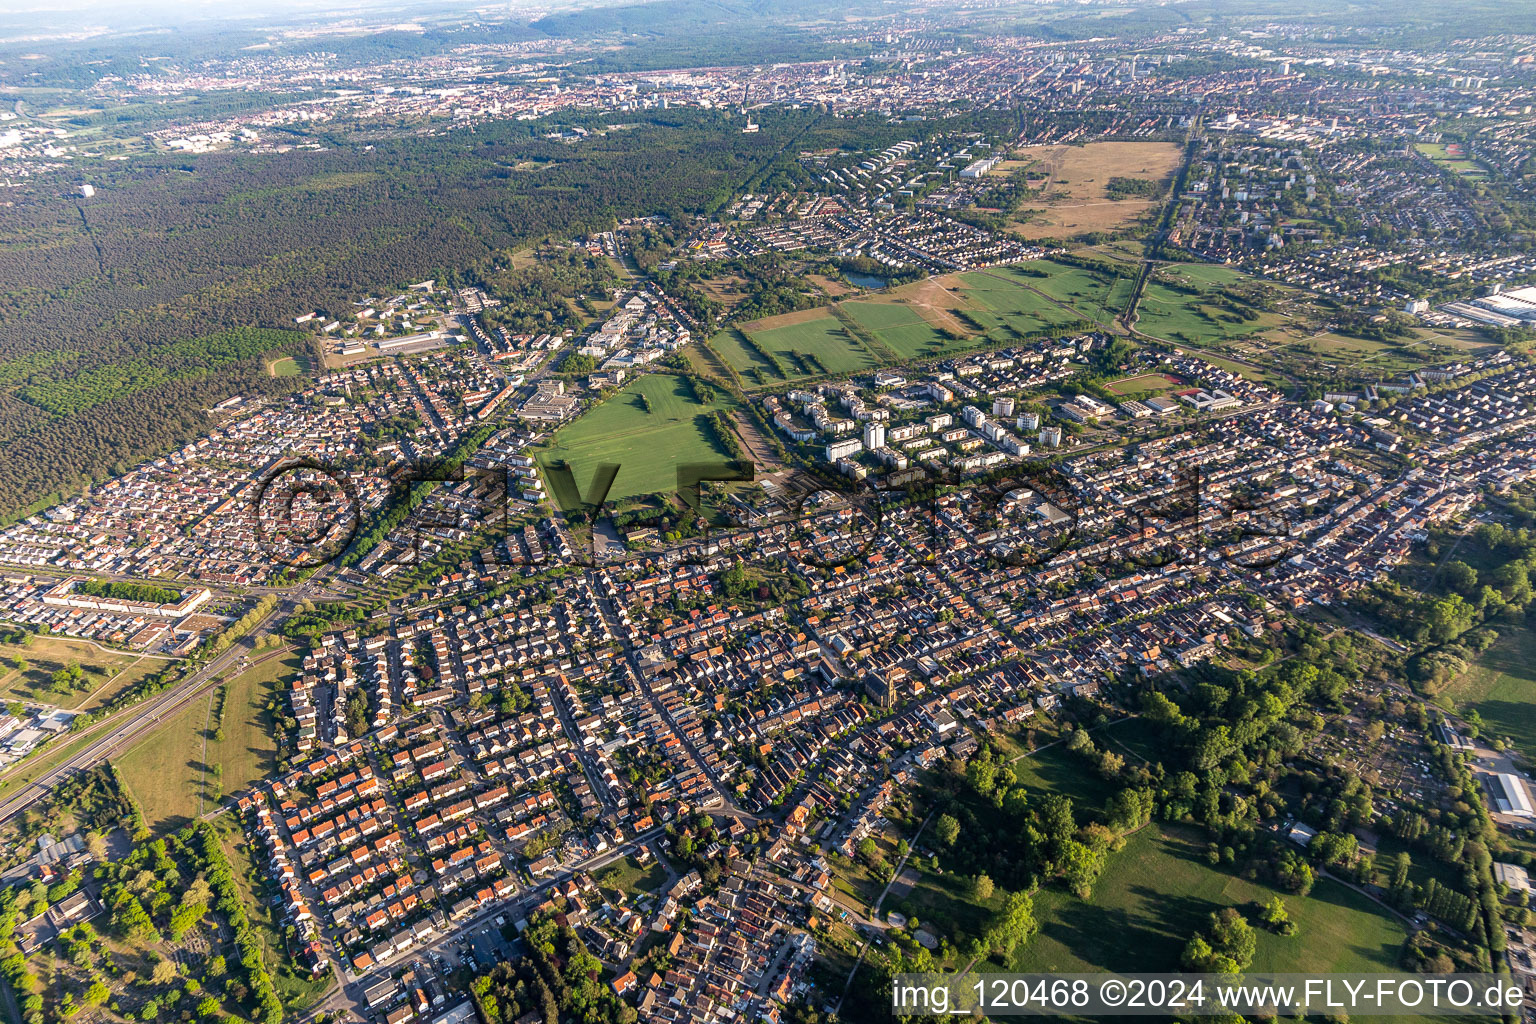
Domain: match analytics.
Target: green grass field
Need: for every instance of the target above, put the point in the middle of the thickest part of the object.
(824, 338)
(1159, 891)
(170, 772)
(1057, 770)
(647, 445)
(1006, 293)
(107, 672)
(902, 330)
(297, 993)
(1439, 154)
(879, 316)
(1501, 687)
(1097, 296)
(630, 878)
(1178, 317)
(286, 367)
(1145, 383)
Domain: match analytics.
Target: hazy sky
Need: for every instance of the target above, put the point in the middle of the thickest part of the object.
(113, 13)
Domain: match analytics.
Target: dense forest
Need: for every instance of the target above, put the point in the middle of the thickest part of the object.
(121, 314)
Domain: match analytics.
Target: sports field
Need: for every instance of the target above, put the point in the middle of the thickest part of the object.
(1452, 158)
(1159, 891)
(171, 771)
(1146, 383)
(648, 438)
(1501, 687)
(106, 672)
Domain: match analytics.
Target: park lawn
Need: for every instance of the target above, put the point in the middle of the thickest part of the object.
(1056, 769)
(285, 367)
(1095, 295)
(1423, 865)
(170, 771)
(108, 672)
(1359, 354)
(829, 342)
(648, 446)
(1195, 319)
(859, 888)
(1140, 737)
(943, 904)
(1212, 274)
(630, 878)
(1158, 891)
(1501, 687)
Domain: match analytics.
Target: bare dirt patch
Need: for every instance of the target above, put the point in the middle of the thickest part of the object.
(1076, 201)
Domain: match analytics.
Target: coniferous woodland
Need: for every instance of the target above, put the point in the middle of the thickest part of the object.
(126, 315)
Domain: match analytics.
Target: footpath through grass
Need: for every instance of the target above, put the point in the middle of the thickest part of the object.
(1158, 891)
(107, 672)
(172, 772)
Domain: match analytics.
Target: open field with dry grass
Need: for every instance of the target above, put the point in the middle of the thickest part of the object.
(831, 287)
(1076, 201)
(725, 290)
(773, 323)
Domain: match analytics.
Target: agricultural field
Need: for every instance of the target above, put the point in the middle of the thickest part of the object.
(1158, 891)
(650, 427)
(926, 319)
(104, 673)
(904, 331)
(171, 772)
(1501, 687)
(1076, 199)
